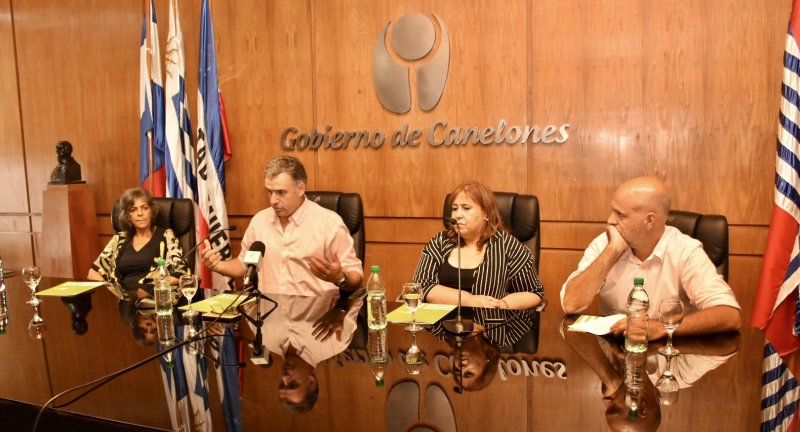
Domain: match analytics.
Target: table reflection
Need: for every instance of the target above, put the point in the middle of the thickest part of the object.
(475, 356)
(629, 380)
(304, 331)
(528, 378)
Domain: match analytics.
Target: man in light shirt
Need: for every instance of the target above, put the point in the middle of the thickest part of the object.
(638, 243)
(309, 251)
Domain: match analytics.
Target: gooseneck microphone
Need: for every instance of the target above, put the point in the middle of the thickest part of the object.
(458, 326)
(251, 260)
(216, 231)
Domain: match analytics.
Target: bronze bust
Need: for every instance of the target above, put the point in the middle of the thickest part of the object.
(67, 171)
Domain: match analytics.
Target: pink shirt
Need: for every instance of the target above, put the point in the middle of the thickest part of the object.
(678, 266)
(312, 231)
(292, 324)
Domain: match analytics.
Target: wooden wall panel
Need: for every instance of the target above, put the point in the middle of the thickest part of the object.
(484, 85)
(12, 160)
(264, 55)
(78, 84)
(586, 71)
(16, 242)
(397, 261)
(650, 92)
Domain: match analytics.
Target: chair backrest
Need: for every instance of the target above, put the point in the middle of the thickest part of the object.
(711, 230)
(176, 214)
(521, 215)
(351, 209)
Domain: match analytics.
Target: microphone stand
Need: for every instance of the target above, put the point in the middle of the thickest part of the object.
(458, 326)
(258, 321)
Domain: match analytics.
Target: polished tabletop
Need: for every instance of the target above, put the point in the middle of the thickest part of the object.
(549, 379)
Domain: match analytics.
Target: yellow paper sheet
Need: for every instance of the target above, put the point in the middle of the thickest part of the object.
(427, 313)
(70, 289)
(595, 324)
(219, 303)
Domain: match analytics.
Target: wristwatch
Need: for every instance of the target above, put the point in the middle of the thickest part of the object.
(342, 284)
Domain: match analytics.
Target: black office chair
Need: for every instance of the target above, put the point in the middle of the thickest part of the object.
(711, 230)
(176, 214)
(521, 215)
(351, 209)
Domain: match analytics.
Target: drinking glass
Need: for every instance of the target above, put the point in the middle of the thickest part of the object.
(36, 328)
(414, 358)
(667, 386)
(31, 276)
(188, 285)
(412, 296)
(193, 347)
(670, 312)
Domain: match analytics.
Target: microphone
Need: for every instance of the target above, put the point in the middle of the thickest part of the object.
(251, 260)
(458, 326)
(216, 231)
(459, 387)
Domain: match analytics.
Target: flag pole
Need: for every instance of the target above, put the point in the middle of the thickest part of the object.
(151, 183)
(148, 12)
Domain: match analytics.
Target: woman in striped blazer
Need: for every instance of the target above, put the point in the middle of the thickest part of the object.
(496, 269)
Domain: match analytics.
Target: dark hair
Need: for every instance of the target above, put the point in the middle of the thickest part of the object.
(286, 164)
(483, 197)
(127, 200)
(138, 332)
(305, 405)
(490, 369)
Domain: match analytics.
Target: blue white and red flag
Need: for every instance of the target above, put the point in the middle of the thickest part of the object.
(212, 152)
(181, 163)
(776, 310)
(157, 88)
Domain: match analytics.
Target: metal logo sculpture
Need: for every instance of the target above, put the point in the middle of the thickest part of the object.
(413, 38)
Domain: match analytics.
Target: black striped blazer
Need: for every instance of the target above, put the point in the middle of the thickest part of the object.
(507, 266)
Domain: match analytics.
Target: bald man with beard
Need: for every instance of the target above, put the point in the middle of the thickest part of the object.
(638, 243)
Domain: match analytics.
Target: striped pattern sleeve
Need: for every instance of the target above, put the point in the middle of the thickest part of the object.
(522, 276)
(507, 268)
(427, 272)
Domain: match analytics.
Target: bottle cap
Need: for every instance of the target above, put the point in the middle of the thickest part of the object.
(379, 383)
(161, 261)
(638, 281)
(376, 269)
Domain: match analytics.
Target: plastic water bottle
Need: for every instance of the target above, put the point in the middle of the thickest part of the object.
(166, 329)
(3, 311)
(378, 353)
(162, 290)
(376, 300)
(638, 304)
(635, 375)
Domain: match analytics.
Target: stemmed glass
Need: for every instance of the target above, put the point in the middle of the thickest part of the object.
(31, 276)
(36, 328)
(670, 312)
(193, 347)
(412, 296)
(667, 386)
(188, 285)
(414, 358)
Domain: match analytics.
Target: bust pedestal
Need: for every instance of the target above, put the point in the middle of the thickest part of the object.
(69, 231)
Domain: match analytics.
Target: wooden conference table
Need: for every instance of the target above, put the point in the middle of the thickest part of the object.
(552, 383)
